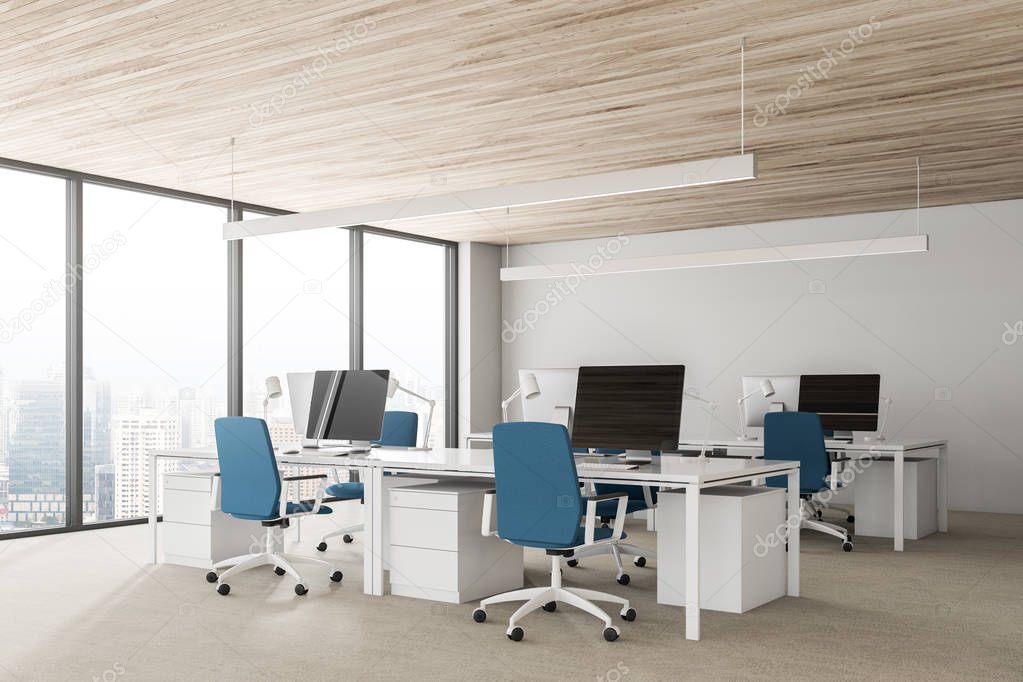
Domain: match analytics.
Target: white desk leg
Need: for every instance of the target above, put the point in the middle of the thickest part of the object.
(792, 533)
(373, 532)
(650, 522)
(898, 511)
(692, 531)
(152, 506)
(943, 488)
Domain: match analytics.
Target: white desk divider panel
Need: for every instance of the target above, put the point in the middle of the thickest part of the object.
(873, 493)
(194, 530)
(741, 569)
(437, 549)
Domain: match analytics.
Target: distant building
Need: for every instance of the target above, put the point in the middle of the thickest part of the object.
(133, 439)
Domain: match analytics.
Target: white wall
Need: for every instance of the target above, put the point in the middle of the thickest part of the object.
(932, 325)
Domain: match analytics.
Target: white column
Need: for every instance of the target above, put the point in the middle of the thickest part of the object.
(479, 338)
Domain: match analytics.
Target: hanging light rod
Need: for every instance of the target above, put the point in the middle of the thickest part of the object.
(614, 183)
(711, 259)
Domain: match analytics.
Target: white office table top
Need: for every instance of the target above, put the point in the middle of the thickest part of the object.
(669, 469)
(858, 444)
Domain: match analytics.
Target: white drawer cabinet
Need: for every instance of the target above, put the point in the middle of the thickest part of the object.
(437, 551)
(193, 533)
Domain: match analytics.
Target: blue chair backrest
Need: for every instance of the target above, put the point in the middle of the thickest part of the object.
(798, 436)
(250, 484)
(400, 429)
(537, 485)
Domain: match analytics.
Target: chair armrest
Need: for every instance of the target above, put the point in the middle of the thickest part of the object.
(488, 529)
(215, 493)
(648, 497)
(286, 495)
(591, 515)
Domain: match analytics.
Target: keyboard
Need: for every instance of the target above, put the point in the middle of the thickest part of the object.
(605, 466)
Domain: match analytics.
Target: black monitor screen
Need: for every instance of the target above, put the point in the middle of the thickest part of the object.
(348, 404)
(635, 408)
(845, 402)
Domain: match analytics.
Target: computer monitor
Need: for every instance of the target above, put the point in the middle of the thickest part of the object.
(348, 405)
(300, 392)
(556, 400)
(785, 398)
(845, 402)
(633, 407)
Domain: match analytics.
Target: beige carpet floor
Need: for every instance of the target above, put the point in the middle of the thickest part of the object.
(88, 606)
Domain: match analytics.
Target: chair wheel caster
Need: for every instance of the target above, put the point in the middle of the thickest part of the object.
(211, 577)
(611, 633)
(629, 615)
(223, 589)
(516, 634)
(624, 579)
(336, 576)
(279, 571)
(301, 589)
(847, 546)
(572, 563)
(640, 561)
(550, 606)
(347, 539)
(322, 547)
(479, 615)
(850, 519)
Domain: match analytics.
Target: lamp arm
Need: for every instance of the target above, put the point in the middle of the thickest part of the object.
(429, 420)
(508, 401)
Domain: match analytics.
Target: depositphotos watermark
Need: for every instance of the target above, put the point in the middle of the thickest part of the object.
(310, 72)
(795, 519)
(57, 288)
(563, 288)
(818, 71)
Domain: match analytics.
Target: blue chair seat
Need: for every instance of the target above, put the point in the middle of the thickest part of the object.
(296, 507)
(610, 507)
(346, 491)
(578, 541)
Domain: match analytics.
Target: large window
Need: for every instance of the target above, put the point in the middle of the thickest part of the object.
(295, 315)
(143, 320)
(404, 321)
(154, 339)
(33, 280)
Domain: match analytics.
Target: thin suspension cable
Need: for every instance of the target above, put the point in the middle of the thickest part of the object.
(918, 194)
(232, 179)
(507, 236)
(742, 95)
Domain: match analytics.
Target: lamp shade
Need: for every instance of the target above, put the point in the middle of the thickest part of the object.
(530, 388)
(766, 387)
(392, 387)
(273, 387)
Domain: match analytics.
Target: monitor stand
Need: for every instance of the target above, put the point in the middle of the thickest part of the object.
(845, 436)
(638, 456)
(359, 446)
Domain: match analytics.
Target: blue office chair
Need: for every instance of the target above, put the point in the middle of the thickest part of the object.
(250, 488)
(640, 498)
(798, 435)
(399, 430)
(539, 505)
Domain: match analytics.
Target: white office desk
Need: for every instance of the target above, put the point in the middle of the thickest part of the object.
(897, 448)
(691, 474)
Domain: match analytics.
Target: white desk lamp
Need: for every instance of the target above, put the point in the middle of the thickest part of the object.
(712, 405)
(884, 422)
(273, 390)
(393, 387)
(767, 390)
(528, 388)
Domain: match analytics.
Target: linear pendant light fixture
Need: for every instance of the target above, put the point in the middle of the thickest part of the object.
(880, 246)
(772, 254)
(742, 166)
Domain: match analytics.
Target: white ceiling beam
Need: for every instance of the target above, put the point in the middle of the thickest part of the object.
(673, 176)
(710, 259)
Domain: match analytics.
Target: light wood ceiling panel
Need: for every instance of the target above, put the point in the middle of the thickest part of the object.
(437, 96)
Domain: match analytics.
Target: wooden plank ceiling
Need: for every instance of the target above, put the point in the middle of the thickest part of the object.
(335, 103)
